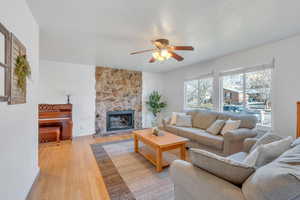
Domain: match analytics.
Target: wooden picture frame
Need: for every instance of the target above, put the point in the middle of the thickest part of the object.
(16, 94)
(6, 64)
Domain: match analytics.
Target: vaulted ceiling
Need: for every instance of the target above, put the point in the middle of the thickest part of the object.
(104, 32)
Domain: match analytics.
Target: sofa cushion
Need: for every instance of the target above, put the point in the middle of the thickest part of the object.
(203, 119)
(277, 180)
(201, 136)
(174, 117)
(231, 170)
(171, 128)
(265, 139)
(265, 154)
(296, 142)
(239, 157)
(216, 127)
(184, 120)
(247, 121)
(230, 125)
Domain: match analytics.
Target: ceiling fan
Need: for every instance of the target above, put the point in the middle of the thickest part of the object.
(163, 51)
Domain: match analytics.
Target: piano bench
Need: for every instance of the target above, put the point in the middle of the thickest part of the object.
(46, 132)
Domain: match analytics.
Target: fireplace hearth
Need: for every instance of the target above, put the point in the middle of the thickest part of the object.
(120, 120)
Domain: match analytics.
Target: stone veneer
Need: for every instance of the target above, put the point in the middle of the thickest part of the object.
(117, 89)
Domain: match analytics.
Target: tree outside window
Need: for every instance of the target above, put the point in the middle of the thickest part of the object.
(198, 93)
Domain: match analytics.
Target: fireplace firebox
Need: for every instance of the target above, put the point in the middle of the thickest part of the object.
(119, 120)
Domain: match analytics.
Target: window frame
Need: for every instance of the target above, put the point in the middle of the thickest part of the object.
(205, 76)
(244, 71)
(6, 64)
(217, 92)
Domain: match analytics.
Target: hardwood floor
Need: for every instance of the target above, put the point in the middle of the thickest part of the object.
(70, 172)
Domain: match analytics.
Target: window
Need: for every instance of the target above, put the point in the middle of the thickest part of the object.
(245, 91)
(258, 91)
(233, 93)
(4, 63)
(250, 93)
(199, 93)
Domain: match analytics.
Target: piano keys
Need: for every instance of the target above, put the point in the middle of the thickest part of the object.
(57, 115)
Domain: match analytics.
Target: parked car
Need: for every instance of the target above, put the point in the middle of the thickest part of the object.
(242, 110)
(232, 108)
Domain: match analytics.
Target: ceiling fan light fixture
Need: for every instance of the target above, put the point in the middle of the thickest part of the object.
(156, 55)
(165, 53)
(161, 55)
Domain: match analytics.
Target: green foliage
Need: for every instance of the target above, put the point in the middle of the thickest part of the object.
(155, 105)
(22, 71)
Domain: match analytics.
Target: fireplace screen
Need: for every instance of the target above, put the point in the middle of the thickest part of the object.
(120, 120)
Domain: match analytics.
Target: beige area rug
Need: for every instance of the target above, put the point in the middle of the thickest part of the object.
(128, 175)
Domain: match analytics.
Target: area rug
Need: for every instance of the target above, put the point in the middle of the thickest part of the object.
(128, 175)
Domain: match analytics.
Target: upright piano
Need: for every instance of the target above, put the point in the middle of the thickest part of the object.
(57, 115)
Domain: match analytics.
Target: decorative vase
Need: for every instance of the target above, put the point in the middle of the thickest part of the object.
(155, 121)
(68, 99)
(155, 131)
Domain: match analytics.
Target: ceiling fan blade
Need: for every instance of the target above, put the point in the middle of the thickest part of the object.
(152, 60)
(183, 48)
(143, 51)
(176, 56)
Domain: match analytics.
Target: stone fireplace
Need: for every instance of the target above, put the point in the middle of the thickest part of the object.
(118, 100)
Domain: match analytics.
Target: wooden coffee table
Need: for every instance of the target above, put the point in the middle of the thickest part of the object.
(160, 144)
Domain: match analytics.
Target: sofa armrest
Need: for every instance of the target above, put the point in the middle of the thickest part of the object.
(248, 144)
(166, 121)
(234, 140)
(192, 182)
(241, 133)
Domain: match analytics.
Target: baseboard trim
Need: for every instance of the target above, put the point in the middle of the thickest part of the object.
(33, 184)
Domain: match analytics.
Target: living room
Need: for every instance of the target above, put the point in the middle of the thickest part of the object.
(149, 100)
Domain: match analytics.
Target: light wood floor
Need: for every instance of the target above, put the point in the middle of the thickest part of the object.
(70, 172)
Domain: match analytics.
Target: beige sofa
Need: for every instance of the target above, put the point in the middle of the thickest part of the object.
(278, 180)
(230, 143)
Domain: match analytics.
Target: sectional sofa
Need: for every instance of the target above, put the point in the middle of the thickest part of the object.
(277, 180)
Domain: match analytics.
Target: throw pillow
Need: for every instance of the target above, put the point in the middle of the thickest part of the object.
(184, 120)
(265, 139)
(296, 142)
(174, 116)
(230, 125)
(203, 119)
(225, 168)
(266, 153)
(252, 157)
(216, 127)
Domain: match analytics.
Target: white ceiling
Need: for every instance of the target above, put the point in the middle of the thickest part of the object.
(104, 32)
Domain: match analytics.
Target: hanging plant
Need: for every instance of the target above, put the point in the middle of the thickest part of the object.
(22, 71)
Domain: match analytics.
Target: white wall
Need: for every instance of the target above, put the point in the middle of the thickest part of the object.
(151, 82)
(57, 79)
(286, 85)
(18, 123)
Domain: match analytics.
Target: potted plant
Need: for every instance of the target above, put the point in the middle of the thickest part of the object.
(155, 106)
